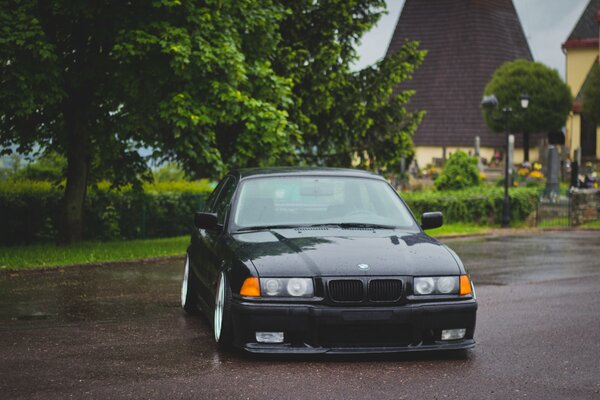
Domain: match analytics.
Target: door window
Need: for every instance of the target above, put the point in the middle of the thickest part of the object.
(209, 206)
(224, 199)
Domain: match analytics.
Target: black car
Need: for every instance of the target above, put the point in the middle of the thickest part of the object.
(319, 260)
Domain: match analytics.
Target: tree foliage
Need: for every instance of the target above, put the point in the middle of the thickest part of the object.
(591, 95)
(344, 115)
(210, 85)
(96, 81)
(49, 167)
(550, 98)
(460, 172)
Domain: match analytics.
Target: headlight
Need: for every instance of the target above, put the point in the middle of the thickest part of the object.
(447, 284)
(436, 285)
(287, 287)
(424, 285)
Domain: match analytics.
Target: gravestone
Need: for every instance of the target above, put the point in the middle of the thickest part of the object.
(553, 172)
(478, 152)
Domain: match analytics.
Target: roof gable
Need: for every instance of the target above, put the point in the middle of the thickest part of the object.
(585, 32)
(466, 40)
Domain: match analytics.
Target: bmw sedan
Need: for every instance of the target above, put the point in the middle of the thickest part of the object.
(323, 260)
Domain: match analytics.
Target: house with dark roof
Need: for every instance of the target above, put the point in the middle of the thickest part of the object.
(582, 50)
(466, 41)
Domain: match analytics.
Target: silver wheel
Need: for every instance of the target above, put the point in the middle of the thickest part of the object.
(219, 301)
(184, 283)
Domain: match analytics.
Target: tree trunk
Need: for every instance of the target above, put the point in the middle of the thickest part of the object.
(525, 146)
(77, 174)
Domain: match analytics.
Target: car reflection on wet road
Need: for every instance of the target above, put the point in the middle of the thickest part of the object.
(113, 332)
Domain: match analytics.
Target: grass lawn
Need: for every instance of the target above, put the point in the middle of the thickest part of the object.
(458, 229)
(49, 255)
(554, 224)
(591, 225)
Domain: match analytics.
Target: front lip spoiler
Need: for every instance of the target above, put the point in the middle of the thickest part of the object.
(305, 319)
(286, 349)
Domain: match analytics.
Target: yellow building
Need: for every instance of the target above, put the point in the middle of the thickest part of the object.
(582, 51)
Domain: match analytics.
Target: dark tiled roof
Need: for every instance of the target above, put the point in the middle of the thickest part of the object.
(467, 40)
(587, 26)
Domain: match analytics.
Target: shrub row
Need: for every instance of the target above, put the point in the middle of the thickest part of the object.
(481, 205)
(30, 211)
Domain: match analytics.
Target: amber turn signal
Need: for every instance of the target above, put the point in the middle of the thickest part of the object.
(250, 288)
(465, 285)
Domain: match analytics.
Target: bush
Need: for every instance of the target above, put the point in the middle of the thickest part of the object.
(49, 167)
(482, 205)
(30, 211)
(460, 172)
(168, 173)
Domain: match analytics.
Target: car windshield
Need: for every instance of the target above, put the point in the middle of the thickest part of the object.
(292, 201)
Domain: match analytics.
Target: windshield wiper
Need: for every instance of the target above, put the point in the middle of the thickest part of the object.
(324, 225)
(354, 225)
(329, 224)
(365, 225)
(268, 227)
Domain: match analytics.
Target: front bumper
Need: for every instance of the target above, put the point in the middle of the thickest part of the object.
(318, 329)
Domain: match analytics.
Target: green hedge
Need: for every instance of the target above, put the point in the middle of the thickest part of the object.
(481, 205)
(30, 211)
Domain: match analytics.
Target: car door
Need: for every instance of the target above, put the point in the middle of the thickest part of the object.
(216, 239)
(198, 251)
(205, 242)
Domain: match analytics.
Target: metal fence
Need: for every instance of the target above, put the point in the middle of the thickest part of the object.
(554, 211)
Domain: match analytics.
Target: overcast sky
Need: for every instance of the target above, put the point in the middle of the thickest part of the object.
(547, 24)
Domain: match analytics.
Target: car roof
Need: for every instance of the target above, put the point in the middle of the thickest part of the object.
(299, 171)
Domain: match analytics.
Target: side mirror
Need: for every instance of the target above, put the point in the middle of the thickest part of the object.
(431, 220)
(203, 220)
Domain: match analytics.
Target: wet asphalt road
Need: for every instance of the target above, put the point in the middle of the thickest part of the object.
(118, 332)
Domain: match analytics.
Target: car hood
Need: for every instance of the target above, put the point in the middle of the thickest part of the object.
(338, 252)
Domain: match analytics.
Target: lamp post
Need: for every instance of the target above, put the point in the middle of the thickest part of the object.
(506, 111)
(492, 102)
(524, 99)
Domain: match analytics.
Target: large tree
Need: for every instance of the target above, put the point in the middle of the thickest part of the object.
(591, 95)
(345, 115)
(97, 80)
(549, 105)
(212, 85)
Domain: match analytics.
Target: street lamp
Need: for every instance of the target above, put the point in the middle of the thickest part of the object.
(524, 100)
(491, 102)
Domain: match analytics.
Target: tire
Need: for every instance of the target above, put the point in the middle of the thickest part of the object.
(222, 325)
(189, 290)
